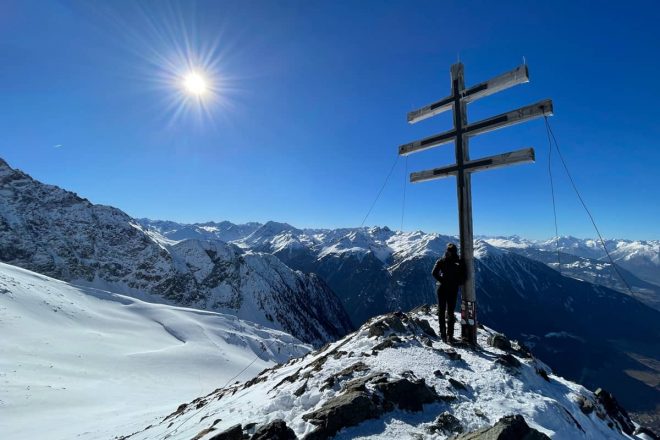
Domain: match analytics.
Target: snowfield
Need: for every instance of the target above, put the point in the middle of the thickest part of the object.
(82, 363)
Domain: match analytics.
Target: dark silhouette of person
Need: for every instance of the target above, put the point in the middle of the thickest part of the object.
(449, 271)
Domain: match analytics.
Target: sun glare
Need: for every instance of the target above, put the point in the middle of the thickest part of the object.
(195, 84)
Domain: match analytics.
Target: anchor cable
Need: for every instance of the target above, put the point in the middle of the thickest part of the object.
(584, 205)
(381, 191)
(552, 189)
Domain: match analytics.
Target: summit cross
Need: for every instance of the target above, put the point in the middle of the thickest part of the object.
(464, 167)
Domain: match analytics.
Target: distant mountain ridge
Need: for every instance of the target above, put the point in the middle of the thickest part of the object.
(583, 259)
(52, 231)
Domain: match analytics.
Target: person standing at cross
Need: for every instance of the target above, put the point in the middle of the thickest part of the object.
(449, 272)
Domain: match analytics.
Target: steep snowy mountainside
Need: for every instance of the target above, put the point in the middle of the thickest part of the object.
(394, 378)
(258, 287)
(52, 231)
(79, 362)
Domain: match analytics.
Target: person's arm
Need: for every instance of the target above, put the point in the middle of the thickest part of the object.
(436, 271)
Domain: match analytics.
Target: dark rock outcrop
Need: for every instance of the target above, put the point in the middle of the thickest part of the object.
(233, 433)
(615, 411)
(275, 430)
(447, 424)
(507, 428)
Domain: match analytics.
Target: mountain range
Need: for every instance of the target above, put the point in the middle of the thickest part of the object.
(587, 332)
(319, 284)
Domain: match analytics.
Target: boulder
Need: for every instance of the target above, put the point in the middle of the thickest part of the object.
(342, 411)
(507, 428)
(275, 430)
(233, 433)
(446, 424)
(508, 360)
(499, 341)
(407, 394)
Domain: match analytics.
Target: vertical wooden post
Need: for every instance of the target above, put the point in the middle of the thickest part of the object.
(464, 167)
(464, 196)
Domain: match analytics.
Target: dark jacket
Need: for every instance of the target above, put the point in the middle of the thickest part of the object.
(449, 271)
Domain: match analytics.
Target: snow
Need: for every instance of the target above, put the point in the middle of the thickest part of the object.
(78, 362)
(492, 392)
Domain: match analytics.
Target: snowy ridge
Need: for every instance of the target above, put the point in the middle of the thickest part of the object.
(88, 363)
(393, 378)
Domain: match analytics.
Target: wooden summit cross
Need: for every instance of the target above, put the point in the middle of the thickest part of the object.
(464, 167)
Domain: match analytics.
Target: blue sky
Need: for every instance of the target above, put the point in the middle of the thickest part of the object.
(311, 105)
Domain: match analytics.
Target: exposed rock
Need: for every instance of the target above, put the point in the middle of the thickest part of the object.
(425, 326)
(360, 383)
(544, 374)
(500, 341)
(508, 360)
(275, 430)
(521, 349)
(377, 329)
(342, 411)
(586, 405)
(391, 341)
(438, 373)
(407, 394)
(446, 424)
(457, 384)
(452, 354)
(507, 428)
(615, 411)
(233, 433)
(301, 390)
(393, 321)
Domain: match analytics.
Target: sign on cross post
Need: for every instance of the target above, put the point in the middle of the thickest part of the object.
(464, 166)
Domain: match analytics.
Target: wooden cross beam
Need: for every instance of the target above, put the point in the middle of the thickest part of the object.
(464, 167)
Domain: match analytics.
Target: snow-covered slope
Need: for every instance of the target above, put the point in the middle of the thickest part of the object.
(78, 362)
(52, 231)
(394, 378)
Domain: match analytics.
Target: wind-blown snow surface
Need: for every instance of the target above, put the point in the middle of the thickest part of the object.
(78, 362)
(491, 389)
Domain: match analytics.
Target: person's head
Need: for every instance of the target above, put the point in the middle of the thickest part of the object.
(452, 251)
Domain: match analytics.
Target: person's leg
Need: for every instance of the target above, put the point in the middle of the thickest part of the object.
(451, 308)
(442, 306)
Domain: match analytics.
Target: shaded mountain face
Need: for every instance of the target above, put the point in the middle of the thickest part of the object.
(52, 231)
(589, 333)
(596, 272)
(394, 378)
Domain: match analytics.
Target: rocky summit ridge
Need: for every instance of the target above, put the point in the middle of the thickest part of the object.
(394, 378)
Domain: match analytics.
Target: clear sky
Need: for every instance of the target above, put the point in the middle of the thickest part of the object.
(310, 105)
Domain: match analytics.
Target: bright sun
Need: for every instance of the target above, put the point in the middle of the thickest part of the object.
(195, 84)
